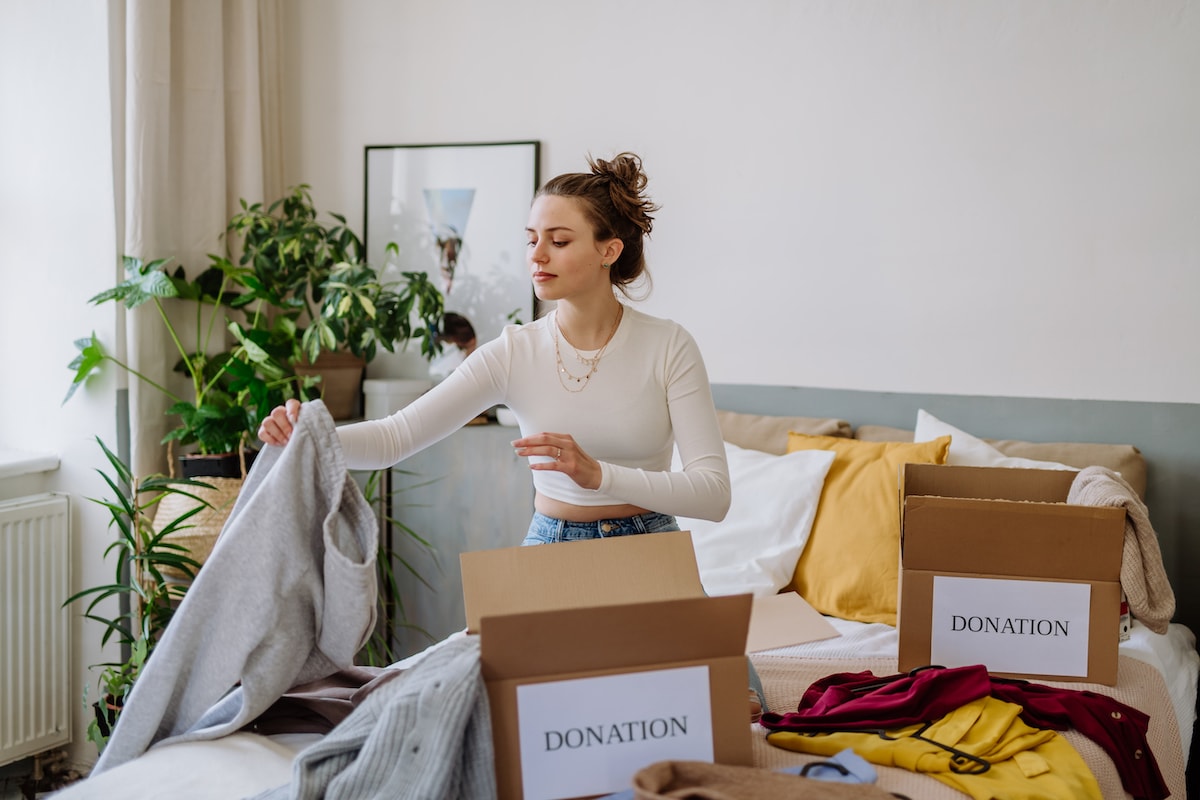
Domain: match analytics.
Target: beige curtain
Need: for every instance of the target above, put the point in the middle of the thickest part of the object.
(197, 126)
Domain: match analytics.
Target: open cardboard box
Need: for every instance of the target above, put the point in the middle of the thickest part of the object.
(603, 656)
(996, 569)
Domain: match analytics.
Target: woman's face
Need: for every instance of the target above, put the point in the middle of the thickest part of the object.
(564, 257)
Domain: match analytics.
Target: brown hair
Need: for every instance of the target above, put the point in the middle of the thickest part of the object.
(457, 329)
(614, 201)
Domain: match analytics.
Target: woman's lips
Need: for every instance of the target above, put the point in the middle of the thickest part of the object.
(543, 276)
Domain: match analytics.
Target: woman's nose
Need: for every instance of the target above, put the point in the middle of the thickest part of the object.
(538, 253)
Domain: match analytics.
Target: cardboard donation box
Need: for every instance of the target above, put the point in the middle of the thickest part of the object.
(996, 569)
(603, 656)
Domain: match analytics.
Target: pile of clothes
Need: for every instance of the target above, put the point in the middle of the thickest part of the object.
(986, 736)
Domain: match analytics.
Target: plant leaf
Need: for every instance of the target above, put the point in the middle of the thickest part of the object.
(91, 356)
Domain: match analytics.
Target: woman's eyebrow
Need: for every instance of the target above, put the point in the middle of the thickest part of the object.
(552, 230)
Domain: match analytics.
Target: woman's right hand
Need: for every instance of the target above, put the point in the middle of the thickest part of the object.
(277, 428)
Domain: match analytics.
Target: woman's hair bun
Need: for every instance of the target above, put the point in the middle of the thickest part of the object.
(625, 168)
(627, 187)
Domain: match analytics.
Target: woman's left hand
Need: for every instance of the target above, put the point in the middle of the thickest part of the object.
(566, 457)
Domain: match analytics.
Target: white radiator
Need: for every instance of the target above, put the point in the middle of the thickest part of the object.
(35, 663)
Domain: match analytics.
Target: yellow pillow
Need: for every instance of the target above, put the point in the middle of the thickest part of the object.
(850, 567)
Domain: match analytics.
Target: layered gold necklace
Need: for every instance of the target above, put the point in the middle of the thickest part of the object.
(569, 380)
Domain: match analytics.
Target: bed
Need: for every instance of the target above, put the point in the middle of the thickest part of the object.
(1157, 670)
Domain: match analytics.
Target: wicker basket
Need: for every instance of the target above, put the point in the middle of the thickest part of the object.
(202, 530)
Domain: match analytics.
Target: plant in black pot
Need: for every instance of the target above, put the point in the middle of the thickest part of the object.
(306, 281)
(150, 578)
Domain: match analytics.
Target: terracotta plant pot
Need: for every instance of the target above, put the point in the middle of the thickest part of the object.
(341, 382)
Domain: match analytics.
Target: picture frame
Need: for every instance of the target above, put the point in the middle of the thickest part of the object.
(458, 213)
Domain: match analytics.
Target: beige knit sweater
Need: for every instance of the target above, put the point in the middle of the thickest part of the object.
(1143, 577)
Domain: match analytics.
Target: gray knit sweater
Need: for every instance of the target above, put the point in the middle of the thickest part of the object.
(287, 597)
(425, 735)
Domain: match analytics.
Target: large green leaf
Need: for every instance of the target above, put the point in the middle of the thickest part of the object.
(87, 363)
(147, 280)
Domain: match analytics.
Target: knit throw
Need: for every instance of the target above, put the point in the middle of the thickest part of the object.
(1143, 577)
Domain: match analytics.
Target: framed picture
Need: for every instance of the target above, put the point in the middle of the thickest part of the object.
(457, 212)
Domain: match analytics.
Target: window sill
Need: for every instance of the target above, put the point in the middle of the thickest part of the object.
(17, 463)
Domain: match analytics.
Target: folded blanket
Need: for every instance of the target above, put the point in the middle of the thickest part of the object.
(1143, 577)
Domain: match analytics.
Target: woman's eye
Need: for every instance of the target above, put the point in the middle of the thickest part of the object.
(560, 244)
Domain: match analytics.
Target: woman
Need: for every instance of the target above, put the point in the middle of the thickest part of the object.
(602, 392)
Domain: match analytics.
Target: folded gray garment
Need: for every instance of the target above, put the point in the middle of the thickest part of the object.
(425, 734)
(287, 597)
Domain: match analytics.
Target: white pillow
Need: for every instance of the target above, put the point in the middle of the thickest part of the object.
(970, 451)
(755, 548)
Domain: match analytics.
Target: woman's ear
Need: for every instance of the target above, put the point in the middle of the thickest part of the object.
(610, 250)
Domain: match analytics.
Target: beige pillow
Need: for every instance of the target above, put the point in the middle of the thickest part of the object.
(770, 434)
(882, 433)
(1122, 458)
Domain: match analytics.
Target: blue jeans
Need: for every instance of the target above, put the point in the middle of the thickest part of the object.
(548, 530)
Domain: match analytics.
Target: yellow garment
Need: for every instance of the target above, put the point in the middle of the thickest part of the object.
(1026, 763)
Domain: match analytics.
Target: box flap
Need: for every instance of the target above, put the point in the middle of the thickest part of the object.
(987, 483)
(596, 638)
(1004, 537)
(594, 572)
(779, 620)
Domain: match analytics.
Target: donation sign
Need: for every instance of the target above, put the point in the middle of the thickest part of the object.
(588, 736)
(1038, 627)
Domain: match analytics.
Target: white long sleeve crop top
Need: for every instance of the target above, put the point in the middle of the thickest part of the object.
(649, 393)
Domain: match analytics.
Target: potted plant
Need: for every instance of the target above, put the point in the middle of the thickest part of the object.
(288, 253)
(307, 281)
(362, 313)
(230, 388)
(146, 560)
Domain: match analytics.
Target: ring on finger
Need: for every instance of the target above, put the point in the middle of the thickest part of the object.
(557, 457)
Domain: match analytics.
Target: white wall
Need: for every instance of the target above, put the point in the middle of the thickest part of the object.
(56, 223)
(927, 195)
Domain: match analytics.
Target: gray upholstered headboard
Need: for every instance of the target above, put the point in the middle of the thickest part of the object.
(1167, 434)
